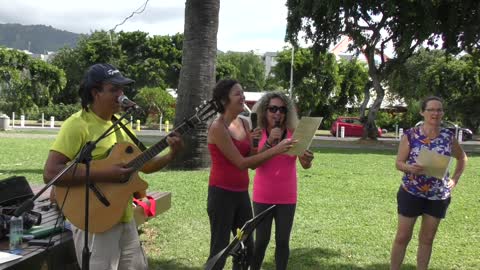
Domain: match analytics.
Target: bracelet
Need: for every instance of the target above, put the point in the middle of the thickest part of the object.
(267, 145)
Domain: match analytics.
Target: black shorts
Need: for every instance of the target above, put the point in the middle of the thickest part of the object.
(413, 206)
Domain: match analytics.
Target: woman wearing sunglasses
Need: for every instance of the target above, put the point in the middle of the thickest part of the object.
(229, 143)
(275, 181)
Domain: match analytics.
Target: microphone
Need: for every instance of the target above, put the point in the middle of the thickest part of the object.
(127, 103)
(277, 125)
(253, 118)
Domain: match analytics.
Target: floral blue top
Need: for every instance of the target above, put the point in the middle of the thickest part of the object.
(421, 185)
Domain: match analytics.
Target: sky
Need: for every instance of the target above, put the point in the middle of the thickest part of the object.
(244, 25)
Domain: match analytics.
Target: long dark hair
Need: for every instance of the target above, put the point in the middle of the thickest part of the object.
(221, 92)
(85, 90)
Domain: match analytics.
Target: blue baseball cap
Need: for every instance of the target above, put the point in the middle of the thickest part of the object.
(99, 73)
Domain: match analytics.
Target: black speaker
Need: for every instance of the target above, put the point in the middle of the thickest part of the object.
(14, 190)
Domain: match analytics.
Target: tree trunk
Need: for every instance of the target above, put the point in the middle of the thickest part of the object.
(366, 99)
(197, 78)
(370, 129)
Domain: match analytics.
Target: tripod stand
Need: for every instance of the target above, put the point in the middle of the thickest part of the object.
(237, 248)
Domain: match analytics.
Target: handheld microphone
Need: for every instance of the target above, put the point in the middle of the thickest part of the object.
(253, 118)
(127, 103)
(277, 125)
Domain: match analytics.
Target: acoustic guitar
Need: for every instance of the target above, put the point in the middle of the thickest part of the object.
(107, 211)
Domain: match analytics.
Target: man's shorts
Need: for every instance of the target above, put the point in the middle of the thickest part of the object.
(413, 206)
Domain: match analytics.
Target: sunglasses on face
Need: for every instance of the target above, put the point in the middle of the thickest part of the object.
(274, 109)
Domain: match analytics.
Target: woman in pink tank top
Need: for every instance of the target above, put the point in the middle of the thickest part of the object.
(275, 181)
(229, 142)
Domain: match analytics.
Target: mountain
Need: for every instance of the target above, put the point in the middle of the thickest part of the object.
(36, 38)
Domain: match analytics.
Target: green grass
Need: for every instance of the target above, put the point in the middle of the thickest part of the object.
(345, 219)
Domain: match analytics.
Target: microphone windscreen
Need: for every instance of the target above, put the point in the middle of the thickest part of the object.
(253, 118)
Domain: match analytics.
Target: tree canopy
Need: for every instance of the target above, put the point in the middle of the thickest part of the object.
(322, 85)
(372, 25)
(246, 67)
(435, 73)
(150, 61)
(27, 83)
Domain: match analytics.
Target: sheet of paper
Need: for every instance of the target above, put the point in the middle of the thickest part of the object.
(6, 257)
(304, 134)
(434, 164)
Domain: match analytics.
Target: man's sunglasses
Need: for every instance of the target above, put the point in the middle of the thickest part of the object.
(274, 109)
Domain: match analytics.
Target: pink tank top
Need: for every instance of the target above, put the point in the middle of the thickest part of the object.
(225, 174)
(275, 180)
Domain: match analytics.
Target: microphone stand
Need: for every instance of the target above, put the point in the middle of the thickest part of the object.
(84, 156)
(237, 249)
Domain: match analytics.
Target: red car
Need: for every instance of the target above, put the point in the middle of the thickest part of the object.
(353, 127)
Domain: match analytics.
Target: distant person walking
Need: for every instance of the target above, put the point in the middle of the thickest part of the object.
(420, 194)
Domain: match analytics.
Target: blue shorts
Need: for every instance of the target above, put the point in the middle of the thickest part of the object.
(413, 206)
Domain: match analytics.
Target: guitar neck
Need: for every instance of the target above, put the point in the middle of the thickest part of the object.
(148, 154)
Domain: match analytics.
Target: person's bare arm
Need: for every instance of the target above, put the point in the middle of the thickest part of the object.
(219, 135)
(159, 162)
(462, 159)
(402, 156)
(76, 175)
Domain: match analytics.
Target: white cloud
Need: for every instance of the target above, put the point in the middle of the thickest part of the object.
(243, 25)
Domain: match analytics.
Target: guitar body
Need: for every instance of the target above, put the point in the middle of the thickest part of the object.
(101, 217)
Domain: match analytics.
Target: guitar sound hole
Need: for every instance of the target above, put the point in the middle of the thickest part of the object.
(129, 150)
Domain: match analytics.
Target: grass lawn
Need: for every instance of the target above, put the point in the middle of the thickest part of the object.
(345, 219)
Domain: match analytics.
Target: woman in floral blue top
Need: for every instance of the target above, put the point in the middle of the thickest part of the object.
(419, 194)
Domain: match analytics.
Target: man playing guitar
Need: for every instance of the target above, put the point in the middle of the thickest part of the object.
(114, 246)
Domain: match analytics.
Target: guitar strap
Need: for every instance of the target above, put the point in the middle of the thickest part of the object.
(130, 134)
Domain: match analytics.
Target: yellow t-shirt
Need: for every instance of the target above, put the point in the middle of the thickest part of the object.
(82, 127)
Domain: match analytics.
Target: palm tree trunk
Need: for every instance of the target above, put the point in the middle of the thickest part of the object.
(197, 77)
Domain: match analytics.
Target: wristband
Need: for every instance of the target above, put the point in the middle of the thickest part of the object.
(267, 145)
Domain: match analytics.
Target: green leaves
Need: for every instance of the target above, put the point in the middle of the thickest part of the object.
(323, 86)
(247, 68)
(438, 73)
(150, 61)
(26, 82)
(155, 101)
(374, 24)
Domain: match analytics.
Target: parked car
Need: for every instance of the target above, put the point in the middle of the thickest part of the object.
(353, 127)
(467, 134)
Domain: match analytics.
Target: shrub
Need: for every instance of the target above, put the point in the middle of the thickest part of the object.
(60, 111)
(387, 120)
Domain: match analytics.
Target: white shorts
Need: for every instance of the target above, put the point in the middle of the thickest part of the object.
(115, 249)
